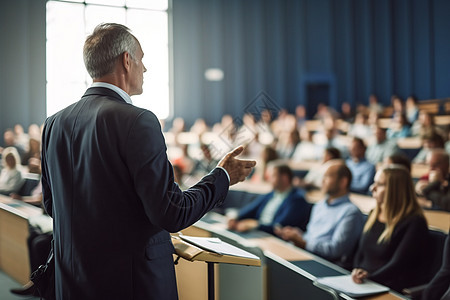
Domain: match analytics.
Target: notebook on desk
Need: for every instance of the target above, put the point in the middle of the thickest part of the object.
(212, 250)
(345, 284)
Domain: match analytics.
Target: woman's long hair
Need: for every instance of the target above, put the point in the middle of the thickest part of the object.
(399, 201)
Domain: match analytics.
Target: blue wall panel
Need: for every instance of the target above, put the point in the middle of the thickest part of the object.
(441, 47)
(382, 50)
(279, 47)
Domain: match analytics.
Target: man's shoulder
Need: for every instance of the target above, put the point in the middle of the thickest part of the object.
(296, 194)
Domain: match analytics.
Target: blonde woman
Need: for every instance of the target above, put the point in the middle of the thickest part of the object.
(395, 235)
(10, 177)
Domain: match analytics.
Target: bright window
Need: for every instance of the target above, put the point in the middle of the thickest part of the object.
(68, 25)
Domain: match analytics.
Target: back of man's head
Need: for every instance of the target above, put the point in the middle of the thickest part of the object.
(104, 46)
(285, 170)
(343, 172)
(357, 148)
(433, 140)
(439, 159)
(380, 134)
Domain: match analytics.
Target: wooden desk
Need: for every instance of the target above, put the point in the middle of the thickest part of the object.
(365, 203)
(438, 220)
(14, 259)
(442, 120)
(418, 170)
(304, 165)
(409, 143)
(430, 106)
(384, 122)
(252, 187)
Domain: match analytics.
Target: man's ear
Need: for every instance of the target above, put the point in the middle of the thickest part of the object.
(126, 61)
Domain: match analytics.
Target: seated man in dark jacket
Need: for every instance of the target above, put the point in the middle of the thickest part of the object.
(433, 188)
(285, 205)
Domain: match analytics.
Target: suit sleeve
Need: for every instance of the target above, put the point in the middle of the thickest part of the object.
(164, 203)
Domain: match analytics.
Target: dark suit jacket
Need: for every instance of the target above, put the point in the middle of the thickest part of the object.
(294, 211)
(439, 287)
(110, 189)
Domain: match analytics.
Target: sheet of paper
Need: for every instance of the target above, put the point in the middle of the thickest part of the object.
(218, 246)
(346, 285)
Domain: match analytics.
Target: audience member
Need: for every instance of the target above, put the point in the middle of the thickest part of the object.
(434, 187)
(10, 176)
(287, 142)
(285, 205)
(431, 140)
(395, 235)
(439, 287)
(34, 132)
(424, 125)
(398, 159)
(399, 127)
(21, 138)
(9, 138)
(398, 106)
(382, 147)
(178, 125)
(360, 128)
(199, 127)
(264, 124)
(362, 170)
(300, 114)
(306, 150)
(313, 179)
(333, 139)
(374, 105)
(411, 109)
(347, 113)
(335, 224)
(34, 151)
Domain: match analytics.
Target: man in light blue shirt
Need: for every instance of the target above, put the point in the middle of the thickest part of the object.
(362, 170)
(335, 224)
(382, 147)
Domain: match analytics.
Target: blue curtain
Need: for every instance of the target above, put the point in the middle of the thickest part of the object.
(286, 48)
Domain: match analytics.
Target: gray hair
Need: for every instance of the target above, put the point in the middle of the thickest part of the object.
(105, 45)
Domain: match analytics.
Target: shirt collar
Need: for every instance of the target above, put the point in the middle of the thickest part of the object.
(116, 89)
(338, 201)
(283, 194)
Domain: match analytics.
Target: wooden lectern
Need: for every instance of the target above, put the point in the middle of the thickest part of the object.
(211, 250)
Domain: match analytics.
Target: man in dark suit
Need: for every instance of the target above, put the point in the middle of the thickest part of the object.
(439, 287)
(109, 187)
(284, 206)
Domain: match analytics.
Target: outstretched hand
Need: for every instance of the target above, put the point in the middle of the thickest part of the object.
(238, 169)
